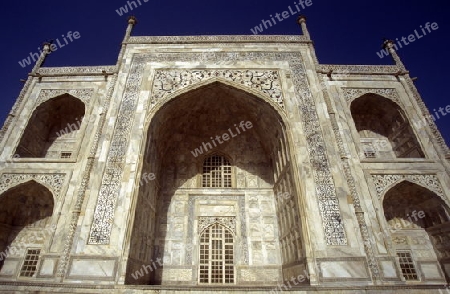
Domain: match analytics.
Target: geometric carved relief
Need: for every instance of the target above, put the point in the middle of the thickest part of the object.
(358, 69)
(353, 93)
(76, 70)
(214, 39)
(52, 181)
(227, 221)
(431, 182)
(169, 81)
(82, 94)
(111, 182)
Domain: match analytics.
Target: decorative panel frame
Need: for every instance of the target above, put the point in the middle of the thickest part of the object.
(242, 218)
(325, 187)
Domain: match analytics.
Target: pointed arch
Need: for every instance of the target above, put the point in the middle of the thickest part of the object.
(84, 94)
(26, 212)
(384, 129)
(416, 213)
(29, 188)
(52, 126)
(182, 124)
(385, 183)
(52, 182)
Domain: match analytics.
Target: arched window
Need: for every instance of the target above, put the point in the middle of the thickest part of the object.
(216, 256)
(216, 172)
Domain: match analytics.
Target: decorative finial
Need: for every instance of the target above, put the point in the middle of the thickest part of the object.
(301, 20)
(47, 47)
(132, 20)
(45, 51)
(391, 47)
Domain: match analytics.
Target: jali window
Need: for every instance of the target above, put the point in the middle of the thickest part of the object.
(216, 172)
(30, 262)
(216, 256)
(407, 265)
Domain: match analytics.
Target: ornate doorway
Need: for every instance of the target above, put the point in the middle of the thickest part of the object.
(216, 256)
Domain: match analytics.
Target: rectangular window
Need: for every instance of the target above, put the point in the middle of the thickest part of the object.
(369, 150)
(407, 266)
(29, 266)
(66, 154)
(216, 172)
(370, 154)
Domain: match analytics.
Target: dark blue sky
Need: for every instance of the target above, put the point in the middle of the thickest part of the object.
(344, 32)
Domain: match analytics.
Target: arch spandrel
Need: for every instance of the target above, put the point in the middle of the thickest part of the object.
(83, 95)
(228, 222)
(166, 89)
(53, 182)
(384, 183)
(351, 94)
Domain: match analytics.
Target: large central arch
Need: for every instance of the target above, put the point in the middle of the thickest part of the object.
(171, 202)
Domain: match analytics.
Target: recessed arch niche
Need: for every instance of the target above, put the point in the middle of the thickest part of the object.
(25, 219)
(168, 207)
(384, 129)
(419, 222)
(52, 128)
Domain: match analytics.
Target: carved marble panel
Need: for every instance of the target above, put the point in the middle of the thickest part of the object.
(358, 69)
(383, 182)
(80, 70)
(259, 274)
(109, 190)
(52, 181)
(352, 93)
(227, 221)
(215, 39)
(82, 94)
(265, 81)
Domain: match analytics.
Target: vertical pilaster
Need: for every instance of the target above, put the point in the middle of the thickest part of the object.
(76, 211)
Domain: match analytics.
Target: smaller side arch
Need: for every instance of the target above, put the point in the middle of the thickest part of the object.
(52, 182)
(384, 129)
(418, 220)
(52, 127)
(48, 94)
(26, 212)
(384, 183)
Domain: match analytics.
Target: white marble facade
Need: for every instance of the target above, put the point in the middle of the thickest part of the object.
(340, 176)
